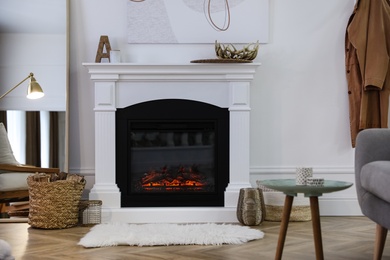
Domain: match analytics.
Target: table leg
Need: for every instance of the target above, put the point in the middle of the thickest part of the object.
(283, 226)
(315, 218)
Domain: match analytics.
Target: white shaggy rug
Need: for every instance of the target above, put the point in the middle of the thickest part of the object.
(168, 234)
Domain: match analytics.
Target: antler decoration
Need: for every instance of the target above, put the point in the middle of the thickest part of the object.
(248, 52)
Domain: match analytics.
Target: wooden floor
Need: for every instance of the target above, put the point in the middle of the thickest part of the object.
(343, 238)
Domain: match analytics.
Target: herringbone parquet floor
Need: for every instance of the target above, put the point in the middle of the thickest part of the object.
(343, 238)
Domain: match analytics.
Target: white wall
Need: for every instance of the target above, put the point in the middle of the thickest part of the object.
(299, 96)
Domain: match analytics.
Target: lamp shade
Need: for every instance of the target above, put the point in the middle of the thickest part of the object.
(34, 90)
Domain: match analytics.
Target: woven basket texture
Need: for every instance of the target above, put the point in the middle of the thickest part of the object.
(298, 213)
(250, 207)
(54, 205)
(274, 204)
(90, 212)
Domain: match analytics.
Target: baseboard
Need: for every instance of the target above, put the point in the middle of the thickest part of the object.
(339, 207)
(343, 203)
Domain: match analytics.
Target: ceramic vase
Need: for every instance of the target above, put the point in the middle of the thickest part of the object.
(250, 207)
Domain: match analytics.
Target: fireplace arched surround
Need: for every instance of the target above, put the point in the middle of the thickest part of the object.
(125, 84)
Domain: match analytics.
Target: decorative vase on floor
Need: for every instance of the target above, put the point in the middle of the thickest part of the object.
(250, 207)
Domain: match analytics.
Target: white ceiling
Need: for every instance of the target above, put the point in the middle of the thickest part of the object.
(33, 16)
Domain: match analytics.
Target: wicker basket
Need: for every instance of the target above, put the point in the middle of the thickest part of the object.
(54, 205)
(274, 204)
(250, 207)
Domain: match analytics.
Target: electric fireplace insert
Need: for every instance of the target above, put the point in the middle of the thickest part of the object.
(172, 152)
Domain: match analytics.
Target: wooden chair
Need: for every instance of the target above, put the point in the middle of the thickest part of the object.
(10, 166)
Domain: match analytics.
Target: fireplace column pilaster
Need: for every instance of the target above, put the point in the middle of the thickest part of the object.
(239, 109)
(105, 187)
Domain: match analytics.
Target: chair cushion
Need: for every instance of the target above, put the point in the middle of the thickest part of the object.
(6, 153)
(375, 178)
(10, 181)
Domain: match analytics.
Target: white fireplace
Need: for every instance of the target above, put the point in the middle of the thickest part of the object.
(125, 84)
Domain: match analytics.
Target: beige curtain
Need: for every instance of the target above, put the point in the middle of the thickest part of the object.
(33, 138)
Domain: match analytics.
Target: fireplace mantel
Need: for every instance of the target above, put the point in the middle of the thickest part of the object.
(173, 72)
(123, 84)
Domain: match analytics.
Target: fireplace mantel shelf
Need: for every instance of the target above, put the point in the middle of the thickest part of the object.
(119, 85)
(172, 72)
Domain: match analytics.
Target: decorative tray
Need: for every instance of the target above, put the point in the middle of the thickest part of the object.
(221, 61)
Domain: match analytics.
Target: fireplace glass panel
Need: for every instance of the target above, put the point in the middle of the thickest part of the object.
(172, 156)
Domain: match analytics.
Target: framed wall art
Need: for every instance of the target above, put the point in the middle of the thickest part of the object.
(197, 21)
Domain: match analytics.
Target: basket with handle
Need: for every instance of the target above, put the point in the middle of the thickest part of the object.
(274, 204)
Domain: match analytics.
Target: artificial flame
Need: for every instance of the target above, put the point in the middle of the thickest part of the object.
(184, 178)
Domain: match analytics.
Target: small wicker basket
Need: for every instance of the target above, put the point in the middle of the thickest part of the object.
(90, 212)
(54, 205)
(274, 204)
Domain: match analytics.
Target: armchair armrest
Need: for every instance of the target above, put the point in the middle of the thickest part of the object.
(27, 168)
(372, 145)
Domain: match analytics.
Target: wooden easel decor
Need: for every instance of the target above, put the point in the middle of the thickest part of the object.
(104, 42)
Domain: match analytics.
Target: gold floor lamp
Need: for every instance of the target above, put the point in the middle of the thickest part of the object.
(34, 90)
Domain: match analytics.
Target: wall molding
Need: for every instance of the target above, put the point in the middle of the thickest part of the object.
(83, 171)
(342, 203)
(291, 169)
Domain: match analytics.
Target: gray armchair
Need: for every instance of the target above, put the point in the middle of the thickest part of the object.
(372, 173)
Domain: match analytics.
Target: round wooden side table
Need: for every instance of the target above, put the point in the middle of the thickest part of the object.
(290, 189)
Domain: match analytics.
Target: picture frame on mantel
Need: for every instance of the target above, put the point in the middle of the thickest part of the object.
(195, 21)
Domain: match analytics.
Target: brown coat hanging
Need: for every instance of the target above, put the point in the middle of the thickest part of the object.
(367, 44)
